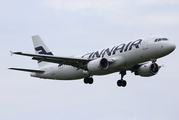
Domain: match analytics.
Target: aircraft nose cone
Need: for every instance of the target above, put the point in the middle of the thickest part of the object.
(171, 46)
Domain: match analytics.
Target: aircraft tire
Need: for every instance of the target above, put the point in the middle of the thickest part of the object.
(88, 80)
(122, 83)
(119, 83)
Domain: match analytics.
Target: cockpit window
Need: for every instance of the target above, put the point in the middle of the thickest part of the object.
(160, 39)
(164, 39)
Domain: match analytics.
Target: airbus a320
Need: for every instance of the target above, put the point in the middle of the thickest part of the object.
(138, 56)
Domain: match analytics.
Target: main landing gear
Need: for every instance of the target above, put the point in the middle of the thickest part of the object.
(88, 80)
(122, 82)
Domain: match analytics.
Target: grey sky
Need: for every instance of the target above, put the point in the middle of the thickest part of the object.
(75, 27)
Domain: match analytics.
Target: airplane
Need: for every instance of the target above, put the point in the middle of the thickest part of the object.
(138, 56)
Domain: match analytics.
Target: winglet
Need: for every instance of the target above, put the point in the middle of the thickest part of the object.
(11, 53)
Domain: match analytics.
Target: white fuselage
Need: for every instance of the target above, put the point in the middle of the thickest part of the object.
(123, 57)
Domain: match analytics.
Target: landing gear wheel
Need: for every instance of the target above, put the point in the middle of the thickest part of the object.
(119, 83)
(88, 80)
(122, 83)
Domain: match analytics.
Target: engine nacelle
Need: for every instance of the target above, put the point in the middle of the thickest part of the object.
(147, 70)
(98, 65)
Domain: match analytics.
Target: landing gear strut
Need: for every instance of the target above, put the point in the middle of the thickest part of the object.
(88, 80)
(122, 82)
(153, 60)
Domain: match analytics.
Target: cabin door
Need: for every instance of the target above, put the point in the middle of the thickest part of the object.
(145, 44)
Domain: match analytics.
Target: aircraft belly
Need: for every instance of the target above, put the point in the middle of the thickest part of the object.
(69, 73)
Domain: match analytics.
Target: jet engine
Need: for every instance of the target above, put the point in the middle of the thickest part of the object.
(98, 65)
(147, 70)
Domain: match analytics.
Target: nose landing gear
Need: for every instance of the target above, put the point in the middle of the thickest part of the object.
(122, 83)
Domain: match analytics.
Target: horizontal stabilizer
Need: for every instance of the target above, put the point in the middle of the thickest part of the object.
(28, 70)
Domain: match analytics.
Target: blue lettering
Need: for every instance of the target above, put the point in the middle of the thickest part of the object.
(90, 54)
(135, 44)
(42, 51)
(127, 46)
(97, 54)
(108, 52)
(85, 55)
(102, 52)
(119, 47)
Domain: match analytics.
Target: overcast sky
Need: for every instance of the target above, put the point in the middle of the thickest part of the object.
(72, 27)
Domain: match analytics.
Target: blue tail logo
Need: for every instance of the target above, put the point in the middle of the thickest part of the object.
(42, 51)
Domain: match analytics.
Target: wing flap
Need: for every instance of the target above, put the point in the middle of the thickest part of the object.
(28, 70)
(55, 58)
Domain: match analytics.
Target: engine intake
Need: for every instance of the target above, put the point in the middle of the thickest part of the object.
(147, 70)
(98, 65)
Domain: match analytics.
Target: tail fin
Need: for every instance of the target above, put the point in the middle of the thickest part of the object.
(41, 48)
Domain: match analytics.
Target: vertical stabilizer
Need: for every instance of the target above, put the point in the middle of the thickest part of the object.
(40, 48)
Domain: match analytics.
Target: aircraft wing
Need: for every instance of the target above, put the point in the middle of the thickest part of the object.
(28, 70)
(73, 61)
